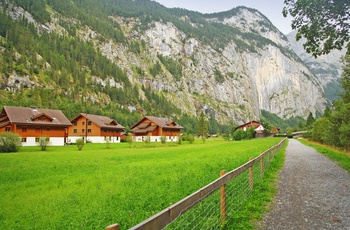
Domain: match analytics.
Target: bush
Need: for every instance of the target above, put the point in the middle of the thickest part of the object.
(179, 139)
(80, 143)
(9, 142)
(129, 139)
(44, 142)
(238, 135)
(163, 139)
(190, 138)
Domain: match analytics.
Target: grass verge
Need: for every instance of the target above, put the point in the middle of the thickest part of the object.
(260, 202)
(342, 158)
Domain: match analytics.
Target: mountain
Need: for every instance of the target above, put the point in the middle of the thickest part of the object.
(113, 57)
(327, 68)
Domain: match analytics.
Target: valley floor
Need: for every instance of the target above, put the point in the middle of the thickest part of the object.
(313, 193)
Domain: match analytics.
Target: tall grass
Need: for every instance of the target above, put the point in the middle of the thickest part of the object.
(64, 188)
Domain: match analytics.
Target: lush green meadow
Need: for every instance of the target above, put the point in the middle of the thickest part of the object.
(63, 188)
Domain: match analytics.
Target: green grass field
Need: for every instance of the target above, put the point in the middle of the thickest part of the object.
(63, 188)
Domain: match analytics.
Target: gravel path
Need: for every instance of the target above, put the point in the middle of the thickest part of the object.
(313, 193)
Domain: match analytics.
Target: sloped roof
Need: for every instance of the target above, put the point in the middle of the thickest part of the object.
(101, 121)
(164, 123)
(254, 124)
(26, 116)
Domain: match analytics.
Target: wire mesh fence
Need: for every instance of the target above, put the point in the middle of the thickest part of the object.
(216, 204)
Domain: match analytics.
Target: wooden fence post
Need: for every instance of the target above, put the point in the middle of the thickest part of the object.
(262, 165)
(251, 175)
(113, 227)
(223, 199)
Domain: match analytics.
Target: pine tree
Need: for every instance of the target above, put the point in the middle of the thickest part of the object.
(202, 127)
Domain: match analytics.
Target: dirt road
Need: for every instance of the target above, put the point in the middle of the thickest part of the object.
(313, 193)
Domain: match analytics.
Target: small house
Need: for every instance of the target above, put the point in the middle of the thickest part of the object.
(154, 128)
(33, 123)
(95, 129)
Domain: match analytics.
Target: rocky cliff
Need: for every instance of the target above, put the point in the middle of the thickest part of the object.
(252, 68)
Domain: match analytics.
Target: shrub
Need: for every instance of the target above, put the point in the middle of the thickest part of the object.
(9, 142)
(238, 135)
(129, 140)
(163, 139)
(179, 139)
(80, 143)
(44, 142)
(190, 138)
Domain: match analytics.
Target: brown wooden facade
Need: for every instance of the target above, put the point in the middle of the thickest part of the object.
(94, 128)
(33, 123)
(154, 128)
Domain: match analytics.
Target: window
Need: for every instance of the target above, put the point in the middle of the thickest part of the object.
(89, 130)
(24, 139)
(7, 129)
(75, 131)
(83, 123)
(24, 129)
(89, 123)
(48, 129)
(37, 139)
(83, 130)
(75, 123)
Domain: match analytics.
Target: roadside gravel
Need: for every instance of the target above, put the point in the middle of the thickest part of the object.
(313, 193)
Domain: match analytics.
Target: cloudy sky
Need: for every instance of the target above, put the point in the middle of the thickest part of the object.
(270, 8)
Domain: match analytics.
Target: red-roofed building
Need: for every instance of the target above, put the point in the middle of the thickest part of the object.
(155, 128)
(33, 123)
(94, 128)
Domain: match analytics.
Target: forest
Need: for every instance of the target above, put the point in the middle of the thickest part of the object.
(63, 67)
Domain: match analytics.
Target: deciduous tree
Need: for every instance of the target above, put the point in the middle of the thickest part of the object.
(325, 24)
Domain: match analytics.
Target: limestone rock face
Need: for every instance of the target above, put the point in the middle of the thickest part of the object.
(227, 82)
(264, 80)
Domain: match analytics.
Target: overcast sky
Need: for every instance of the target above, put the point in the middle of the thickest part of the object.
(270, 8)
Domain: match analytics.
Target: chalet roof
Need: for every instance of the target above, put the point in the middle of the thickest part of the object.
(101, 121)
(254, 124)
(27, 116)
(164, 123)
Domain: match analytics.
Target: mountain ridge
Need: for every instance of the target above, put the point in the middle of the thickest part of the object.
(188, 61)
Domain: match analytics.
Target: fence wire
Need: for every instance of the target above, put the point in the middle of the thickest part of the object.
(206, 214)
(203, 209)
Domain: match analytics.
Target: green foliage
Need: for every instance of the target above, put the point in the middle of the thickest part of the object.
(80, 143)
(130, 140)
(190, 138)
(44, 142)
(324, 24)
(219, 77)
(155, 69)
(173, 66)
(179, 139)
(240, 134)
(163, 139)
(321, 129)
(334, 128)
(296, 122)
(202, 127)
(9, 142)
(310, 120)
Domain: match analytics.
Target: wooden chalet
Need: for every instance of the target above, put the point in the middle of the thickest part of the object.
(251, 124)
(154, 128)
(33, 123)
(94, 128)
